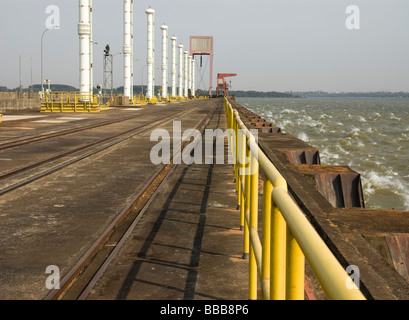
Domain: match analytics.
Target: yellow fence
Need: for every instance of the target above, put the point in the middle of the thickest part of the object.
(277, 260)
(69, 102)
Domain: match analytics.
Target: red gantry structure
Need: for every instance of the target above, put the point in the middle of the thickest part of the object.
(222, 83)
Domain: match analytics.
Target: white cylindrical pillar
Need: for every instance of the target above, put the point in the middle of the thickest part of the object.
(150, 54)
(189, 73)
(84, 32)
(127, 48)
(193, 77)
(180, 75)
(185, 75)
(131, 47)
(164, 29)
(173, 68)
(91, 50)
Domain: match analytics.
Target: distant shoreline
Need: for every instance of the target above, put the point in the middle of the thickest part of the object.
(246, 93)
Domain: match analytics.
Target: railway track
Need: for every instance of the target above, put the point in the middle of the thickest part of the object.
(81, 153)
(78, 282)
(23, 140)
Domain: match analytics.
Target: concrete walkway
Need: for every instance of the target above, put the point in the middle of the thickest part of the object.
(188, 244)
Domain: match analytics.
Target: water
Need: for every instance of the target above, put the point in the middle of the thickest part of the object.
(371, 136)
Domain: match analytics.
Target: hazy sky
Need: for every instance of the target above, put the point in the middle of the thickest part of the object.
(280, 45)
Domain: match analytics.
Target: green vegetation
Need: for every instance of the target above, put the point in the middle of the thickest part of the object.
(260, 94)
(238, 93)
(378, 94)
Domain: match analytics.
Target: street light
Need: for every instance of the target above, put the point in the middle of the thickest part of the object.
(55, 27)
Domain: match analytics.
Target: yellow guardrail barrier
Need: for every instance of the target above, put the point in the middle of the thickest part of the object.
(69, 102)
(139, 99)
(288, 238)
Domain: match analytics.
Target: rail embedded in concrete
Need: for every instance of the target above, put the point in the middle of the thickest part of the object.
(87, 102)
(287, 235)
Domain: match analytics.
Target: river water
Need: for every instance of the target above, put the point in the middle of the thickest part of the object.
(371, 136)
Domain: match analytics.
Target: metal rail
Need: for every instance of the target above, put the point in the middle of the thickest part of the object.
(31, 139)
(78, 282)
(130, 133)
(278, 259)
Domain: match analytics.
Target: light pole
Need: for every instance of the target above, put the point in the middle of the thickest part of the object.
(42, 36)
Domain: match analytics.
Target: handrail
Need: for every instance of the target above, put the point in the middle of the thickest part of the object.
(278, 260)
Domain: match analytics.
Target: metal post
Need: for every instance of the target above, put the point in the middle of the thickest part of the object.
(278, 254)
(267, 190)
(42, 75)
(247, 196)
(253, 224)
(295, 269)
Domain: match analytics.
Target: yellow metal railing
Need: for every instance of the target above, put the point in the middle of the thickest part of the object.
(57, 100)
(288, 238)
(139, 99)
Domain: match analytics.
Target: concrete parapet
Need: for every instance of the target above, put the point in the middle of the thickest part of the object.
(15, 104)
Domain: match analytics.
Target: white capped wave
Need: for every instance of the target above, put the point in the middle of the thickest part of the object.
(288, 111)
(374, 182)
(303, 136)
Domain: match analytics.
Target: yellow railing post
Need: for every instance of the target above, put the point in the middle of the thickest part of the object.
(241, 142)
(247, 197)
(266, 234)
(295, 269)
(253, 224)
(236, 162)
(278, 254)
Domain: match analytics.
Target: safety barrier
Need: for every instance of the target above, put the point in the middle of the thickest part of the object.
(69, 102)
(139, 99)
(288, 238)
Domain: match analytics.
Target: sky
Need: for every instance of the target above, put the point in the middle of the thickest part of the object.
(272, 45)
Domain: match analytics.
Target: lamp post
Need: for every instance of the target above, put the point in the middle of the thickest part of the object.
(42, 36)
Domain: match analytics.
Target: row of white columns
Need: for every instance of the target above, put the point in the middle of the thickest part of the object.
(186, 74)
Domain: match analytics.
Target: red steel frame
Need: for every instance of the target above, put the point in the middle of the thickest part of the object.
(204, 52)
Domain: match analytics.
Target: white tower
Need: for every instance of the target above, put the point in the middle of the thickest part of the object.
(127, 48)
(150, 55)
(193, 77)
(185, 75)
(84, 32)
(189, 73)
(164, 29)
(173, 68)
(180, 75)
